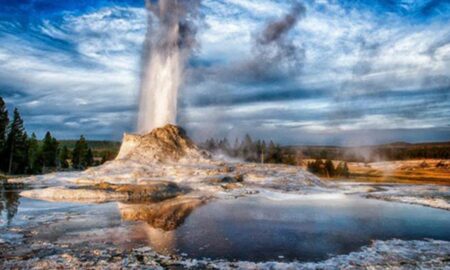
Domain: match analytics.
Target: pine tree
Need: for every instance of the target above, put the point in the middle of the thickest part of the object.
(34, 155)
(50, 151)
(79, 154)
(107, 156)
(235, 151)
(319, 167)
(224, 145)
(63, 157)
(247, 146)
(4, 121)
(329, 168)
(346, 171)
(310, 167)
(211, 144)
(271, 152)
(89, 158)
(16, 149)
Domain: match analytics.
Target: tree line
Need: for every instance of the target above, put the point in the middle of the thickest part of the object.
(327, 168)
(259, 151)
(251, 150)
(23, 154)
(377, 152)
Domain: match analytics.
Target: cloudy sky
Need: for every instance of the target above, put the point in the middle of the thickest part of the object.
(341, 72)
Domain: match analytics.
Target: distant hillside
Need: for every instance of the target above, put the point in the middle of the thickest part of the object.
(392, 151)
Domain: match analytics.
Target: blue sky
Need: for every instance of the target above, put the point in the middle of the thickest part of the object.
(359, 72)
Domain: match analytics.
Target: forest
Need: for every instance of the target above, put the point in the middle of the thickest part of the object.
(21, 153)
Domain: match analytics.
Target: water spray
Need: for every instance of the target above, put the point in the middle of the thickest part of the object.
(169, 42)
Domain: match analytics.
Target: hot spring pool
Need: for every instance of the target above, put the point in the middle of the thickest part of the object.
(259, 229)
(250, 228)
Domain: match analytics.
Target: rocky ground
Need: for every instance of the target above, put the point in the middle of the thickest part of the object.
(436, 196)
(162, 164)
(165, 167)
(393, 254)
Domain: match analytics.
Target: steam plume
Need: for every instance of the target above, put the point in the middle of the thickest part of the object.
(169, 42)
(273, 44)
(276, 53)
(275, 30)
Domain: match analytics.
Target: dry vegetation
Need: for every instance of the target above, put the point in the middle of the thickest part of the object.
(423, 171)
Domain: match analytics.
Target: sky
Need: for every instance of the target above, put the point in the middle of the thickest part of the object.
(342, 72)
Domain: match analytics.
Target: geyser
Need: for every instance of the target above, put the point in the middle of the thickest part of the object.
(169, 42)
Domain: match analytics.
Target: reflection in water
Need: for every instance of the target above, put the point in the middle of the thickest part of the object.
(9, 203)
(162, 219)
(166, 215)
(258, 229)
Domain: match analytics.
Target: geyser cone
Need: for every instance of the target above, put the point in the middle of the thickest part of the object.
(167, 144)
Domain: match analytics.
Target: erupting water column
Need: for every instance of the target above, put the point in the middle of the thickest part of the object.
(169, 42)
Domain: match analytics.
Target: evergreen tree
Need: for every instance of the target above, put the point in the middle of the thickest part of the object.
(342, 169)
(310, 167)
(107, 156)
(271, 152)
(319, 167)
(16, 150)
(34, 155)
(4, 121)
(236, 147)
(263, 152)
(89, 158)
(63, 158)
(258, 149)
(346, 171)
(211, 144)
(289, 157)
(329, 168)
(247, 148)
(79, 154)
(50, 151)
(224, 145)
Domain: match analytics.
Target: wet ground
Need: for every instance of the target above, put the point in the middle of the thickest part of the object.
(254, 228)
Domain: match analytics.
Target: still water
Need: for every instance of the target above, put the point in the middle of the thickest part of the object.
(252, 228)
(259, 229)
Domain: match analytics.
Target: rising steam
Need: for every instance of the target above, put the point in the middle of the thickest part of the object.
(169, 41)
(273, 45)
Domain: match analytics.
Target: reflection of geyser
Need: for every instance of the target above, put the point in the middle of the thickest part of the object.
(161, 219)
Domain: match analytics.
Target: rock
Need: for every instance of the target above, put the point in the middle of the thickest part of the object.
(150, 191)
(105, 192)
(226, 179)
(71, 195)
(167, 144)
(166, 154)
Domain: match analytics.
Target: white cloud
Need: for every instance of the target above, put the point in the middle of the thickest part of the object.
(85, 69)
